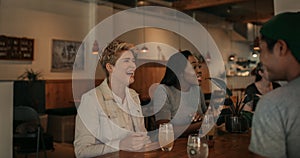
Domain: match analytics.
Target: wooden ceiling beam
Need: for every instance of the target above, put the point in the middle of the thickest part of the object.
(197, 4)
(261, 18)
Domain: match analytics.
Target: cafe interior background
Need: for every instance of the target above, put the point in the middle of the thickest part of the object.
(45, 21)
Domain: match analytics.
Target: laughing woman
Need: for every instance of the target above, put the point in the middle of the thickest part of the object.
(109, 116)
(179, 99)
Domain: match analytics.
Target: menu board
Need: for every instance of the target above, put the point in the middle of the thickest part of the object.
(13, 48)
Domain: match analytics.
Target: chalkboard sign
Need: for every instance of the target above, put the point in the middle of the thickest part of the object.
(13, 48)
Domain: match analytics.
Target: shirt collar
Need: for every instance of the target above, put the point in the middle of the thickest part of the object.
(118, 99)
(106, 91)
(108, 94)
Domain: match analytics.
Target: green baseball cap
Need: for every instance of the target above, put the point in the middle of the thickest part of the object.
(285, 26)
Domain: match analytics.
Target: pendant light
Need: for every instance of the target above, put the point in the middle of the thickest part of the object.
(207, 57)
(255, 47)
(179, 31)
(95, 49)
(144, 49)
(256, 38)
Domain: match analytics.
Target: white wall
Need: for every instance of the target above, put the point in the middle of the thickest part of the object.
(44, 21)
(222, 37)
(6, 113)
(286, 5)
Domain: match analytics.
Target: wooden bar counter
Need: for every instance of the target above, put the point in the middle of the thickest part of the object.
(227, 145)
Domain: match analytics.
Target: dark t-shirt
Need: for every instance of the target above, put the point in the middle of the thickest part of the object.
(252, 90)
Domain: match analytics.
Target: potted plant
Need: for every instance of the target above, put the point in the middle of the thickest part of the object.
(237, 121)
(29, 90)
(30, 75)
(235, 118)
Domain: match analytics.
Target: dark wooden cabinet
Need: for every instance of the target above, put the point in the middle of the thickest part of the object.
(30, 93)
(13, 48)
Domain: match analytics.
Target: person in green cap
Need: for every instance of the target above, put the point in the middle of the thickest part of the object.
(276, 122)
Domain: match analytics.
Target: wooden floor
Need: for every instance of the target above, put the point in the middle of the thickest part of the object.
(62, 150)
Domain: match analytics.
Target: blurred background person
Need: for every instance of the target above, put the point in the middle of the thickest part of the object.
(261, 86)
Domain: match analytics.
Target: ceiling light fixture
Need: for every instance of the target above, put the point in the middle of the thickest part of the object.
(256, 44)
(140, 3)
(95, 49)
(232, 57)
(179, 31)
(254, 54)
(229, 9)
(255, 27)
(144, 49)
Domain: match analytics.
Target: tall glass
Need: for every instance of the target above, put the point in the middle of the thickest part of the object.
(166, 136)
(196, 148)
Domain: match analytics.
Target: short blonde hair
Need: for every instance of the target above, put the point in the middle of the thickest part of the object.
(113, 52)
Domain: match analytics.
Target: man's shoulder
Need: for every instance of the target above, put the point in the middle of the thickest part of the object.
(271, 99)
(280, 98)
(285, 91)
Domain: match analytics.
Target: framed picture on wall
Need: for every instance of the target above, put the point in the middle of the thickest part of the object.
(63, 56)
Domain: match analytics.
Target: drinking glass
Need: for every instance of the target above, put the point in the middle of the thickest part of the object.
(210, 137)
(166, 136)
(196, 148)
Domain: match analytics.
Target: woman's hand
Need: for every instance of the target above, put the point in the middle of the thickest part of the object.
(197, 117)
(134, 141)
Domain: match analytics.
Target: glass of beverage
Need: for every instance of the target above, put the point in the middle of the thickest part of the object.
(210, 137)
(166, 136)
(196, 148)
